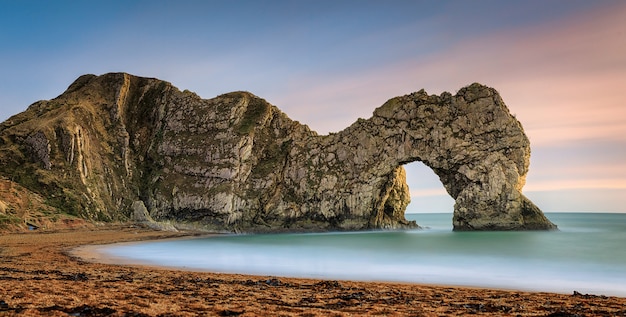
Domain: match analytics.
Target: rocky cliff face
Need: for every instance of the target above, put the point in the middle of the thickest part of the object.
(115, 144)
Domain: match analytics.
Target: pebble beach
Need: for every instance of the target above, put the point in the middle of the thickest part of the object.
(51, 273)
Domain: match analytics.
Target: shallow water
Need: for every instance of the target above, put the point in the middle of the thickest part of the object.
(587, 254)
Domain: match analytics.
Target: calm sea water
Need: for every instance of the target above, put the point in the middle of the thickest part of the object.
(587, 254)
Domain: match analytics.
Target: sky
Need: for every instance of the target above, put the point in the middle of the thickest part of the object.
(559, 65)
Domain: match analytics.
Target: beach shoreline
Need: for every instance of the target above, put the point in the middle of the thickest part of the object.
(96, 253)
(57, 273)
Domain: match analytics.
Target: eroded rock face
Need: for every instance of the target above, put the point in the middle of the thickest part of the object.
(478, 150)
(237, 163)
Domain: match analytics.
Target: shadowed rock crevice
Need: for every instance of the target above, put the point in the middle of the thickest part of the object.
(237, 163)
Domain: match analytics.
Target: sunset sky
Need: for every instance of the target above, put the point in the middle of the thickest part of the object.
(560, 67)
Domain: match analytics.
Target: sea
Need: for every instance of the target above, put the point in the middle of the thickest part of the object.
(587, 254)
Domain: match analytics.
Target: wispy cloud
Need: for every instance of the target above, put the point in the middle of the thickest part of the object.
(560, 184)
(327, 65)
(564, 81)
(428, 192)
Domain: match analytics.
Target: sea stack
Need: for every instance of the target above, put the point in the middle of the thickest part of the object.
(236, 163)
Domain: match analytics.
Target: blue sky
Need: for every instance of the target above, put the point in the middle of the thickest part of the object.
(560, 66)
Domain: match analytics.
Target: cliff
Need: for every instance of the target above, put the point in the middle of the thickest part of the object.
(116, 146)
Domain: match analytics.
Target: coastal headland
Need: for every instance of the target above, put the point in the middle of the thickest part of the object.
(117, 147)
(40, 277)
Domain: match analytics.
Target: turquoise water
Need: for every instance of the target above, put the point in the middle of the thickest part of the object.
(587, 254)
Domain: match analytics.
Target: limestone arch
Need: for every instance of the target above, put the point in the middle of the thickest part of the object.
(237, 163)
(475, 146)
(470, 140)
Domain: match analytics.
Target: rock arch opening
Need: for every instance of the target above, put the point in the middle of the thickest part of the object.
(427, 192)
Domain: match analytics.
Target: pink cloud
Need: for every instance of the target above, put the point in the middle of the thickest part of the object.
(560, 184)
(429, 192)
(564, 81)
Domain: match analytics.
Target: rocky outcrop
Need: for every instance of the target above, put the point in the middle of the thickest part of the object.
(237, 163)
(23, 210)
(141, 215)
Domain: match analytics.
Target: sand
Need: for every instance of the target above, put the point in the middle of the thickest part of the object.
(40, 275)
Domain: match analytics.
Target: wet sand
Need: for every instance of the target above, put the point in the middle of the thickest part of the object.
(41, 276)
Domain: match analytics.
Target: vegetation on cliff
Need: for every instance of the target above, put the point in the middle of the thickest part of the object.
(237, 163)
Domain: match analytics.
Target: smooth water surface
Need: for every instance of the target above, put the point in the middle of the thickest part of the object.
(587, 254)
